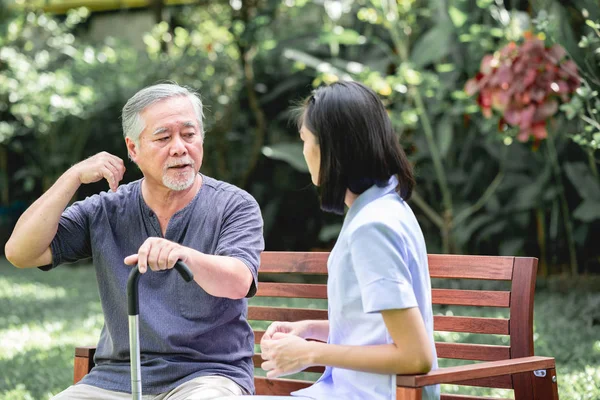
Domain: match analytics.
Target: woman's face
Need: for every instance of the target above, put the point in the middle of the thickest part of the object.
(312, 153)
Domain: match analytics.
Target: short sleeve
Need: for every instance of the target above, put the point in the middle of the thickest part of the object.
(72, 240)
(241, 235)
(379, 261)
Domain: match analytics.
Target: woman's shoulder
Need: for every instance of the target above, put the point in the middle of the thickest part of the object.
(388, 213)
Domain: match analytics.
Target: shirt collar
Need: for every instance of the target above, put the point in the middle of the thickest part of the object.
(371, 194)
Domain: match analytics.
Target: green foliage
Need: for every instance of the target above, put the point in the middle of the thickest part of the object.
(478, 191)
(52, 86)
(43, 320)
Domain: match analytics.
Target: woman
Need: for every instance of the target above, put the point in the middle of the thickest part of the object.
(380, 318)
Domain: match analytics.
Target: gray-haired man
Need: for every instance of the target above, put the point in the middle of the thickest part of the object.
(194, 339)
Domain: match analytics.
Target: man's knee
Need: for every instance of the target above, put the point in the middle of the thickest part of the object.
(207, 388)
(88, 392)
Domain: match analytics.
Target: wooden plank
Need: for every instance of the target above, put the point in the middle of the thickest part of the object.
(257, 313)
(475, 371)
(258, 336)
(85, 351)
(481, 298)
(295, 290)
(83, 362)
(279, 386)
(545, 387)
(465, 397)
(521, 320)
(499, 382)
(490, 326)
(81, 366)
(470, 267)
(280, 262)
(467, 351)
(257, 360)
(409, 393)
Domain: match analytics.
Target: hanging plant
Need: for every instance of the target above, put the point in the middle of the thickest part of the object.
(525, 83)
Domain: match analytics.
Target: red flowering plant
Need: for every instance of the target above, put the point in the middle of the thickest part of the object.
(525, 83)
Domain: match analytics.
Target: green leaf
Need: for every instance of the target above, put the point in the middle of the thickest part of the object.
(445, 134)
(457, 16)
(291, 153)
(587, 211)
(342, 36)
(529, 196)
(433, 45)
(582, 179)
(464, 233)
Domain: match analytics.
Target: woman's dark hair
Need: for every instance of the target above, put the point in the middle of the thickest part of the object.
(358, 146)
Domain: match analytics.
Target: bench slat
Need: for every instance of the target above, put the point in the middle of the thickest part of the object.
(464, 397)
(440, 265)
(501, 382)
(481, 298)
(490, 326)
(457, 297)
(257, 360)
(470, 267)
(296, 290)
(280, 387)
(282, 262)
(257, 313)
(467, 351)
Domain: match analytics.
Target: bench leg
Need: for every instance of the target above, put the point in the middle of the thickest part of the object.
(409, 393)
(538, 385)
(545, 387)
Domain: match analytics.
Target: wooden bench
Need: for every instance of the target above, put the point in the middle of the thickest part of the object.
(512, 366)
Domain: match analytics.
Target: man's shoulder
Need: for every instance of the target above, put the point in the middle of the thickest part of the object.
(226, 191)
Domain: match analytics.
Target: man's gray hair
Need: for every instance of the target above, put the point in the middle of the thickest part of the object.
(133, 123)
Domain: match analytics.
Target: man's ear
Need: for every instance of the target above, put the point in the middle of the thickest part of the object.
(132, 149)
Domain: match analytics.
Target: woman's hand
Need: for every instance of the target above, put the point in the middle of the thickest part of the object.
(285, 354)
(308, 329)
(298, 328)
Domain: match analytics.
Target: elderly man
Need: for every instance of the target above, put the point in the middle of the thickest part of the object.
(195, 341)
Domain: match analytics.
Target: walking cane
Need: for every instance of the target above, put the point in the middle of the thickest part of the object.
(134, 332)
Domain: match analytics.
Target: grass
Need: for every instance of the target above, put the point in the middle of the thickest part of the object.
(43, 316)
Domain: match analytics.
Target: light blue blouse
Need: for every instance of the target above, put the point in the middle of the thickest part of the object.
(378, 263)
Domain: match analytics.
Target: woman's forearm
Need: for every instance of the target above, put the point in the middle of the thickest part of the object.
(381, 359)
(318, 330)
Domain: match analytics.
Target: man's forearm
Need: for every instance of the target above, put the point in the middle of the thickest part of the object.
(28, 245)
(221, 276)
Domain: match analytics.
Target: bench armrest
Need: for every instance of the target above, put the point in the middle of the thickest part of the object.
(476, 370)
(84, 361)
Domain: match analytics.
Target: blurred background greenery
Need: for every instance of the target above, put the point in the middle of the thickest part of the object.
(68, 66)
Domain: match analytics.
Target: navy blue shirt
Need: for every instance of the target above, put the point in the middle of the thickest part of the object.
(184, 332)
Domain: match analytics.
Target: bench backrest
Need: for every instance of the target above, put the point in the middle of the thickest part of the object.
(285, 268)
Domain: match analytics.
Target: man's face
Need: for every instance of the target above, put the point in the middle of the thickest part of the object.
(170, 148)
